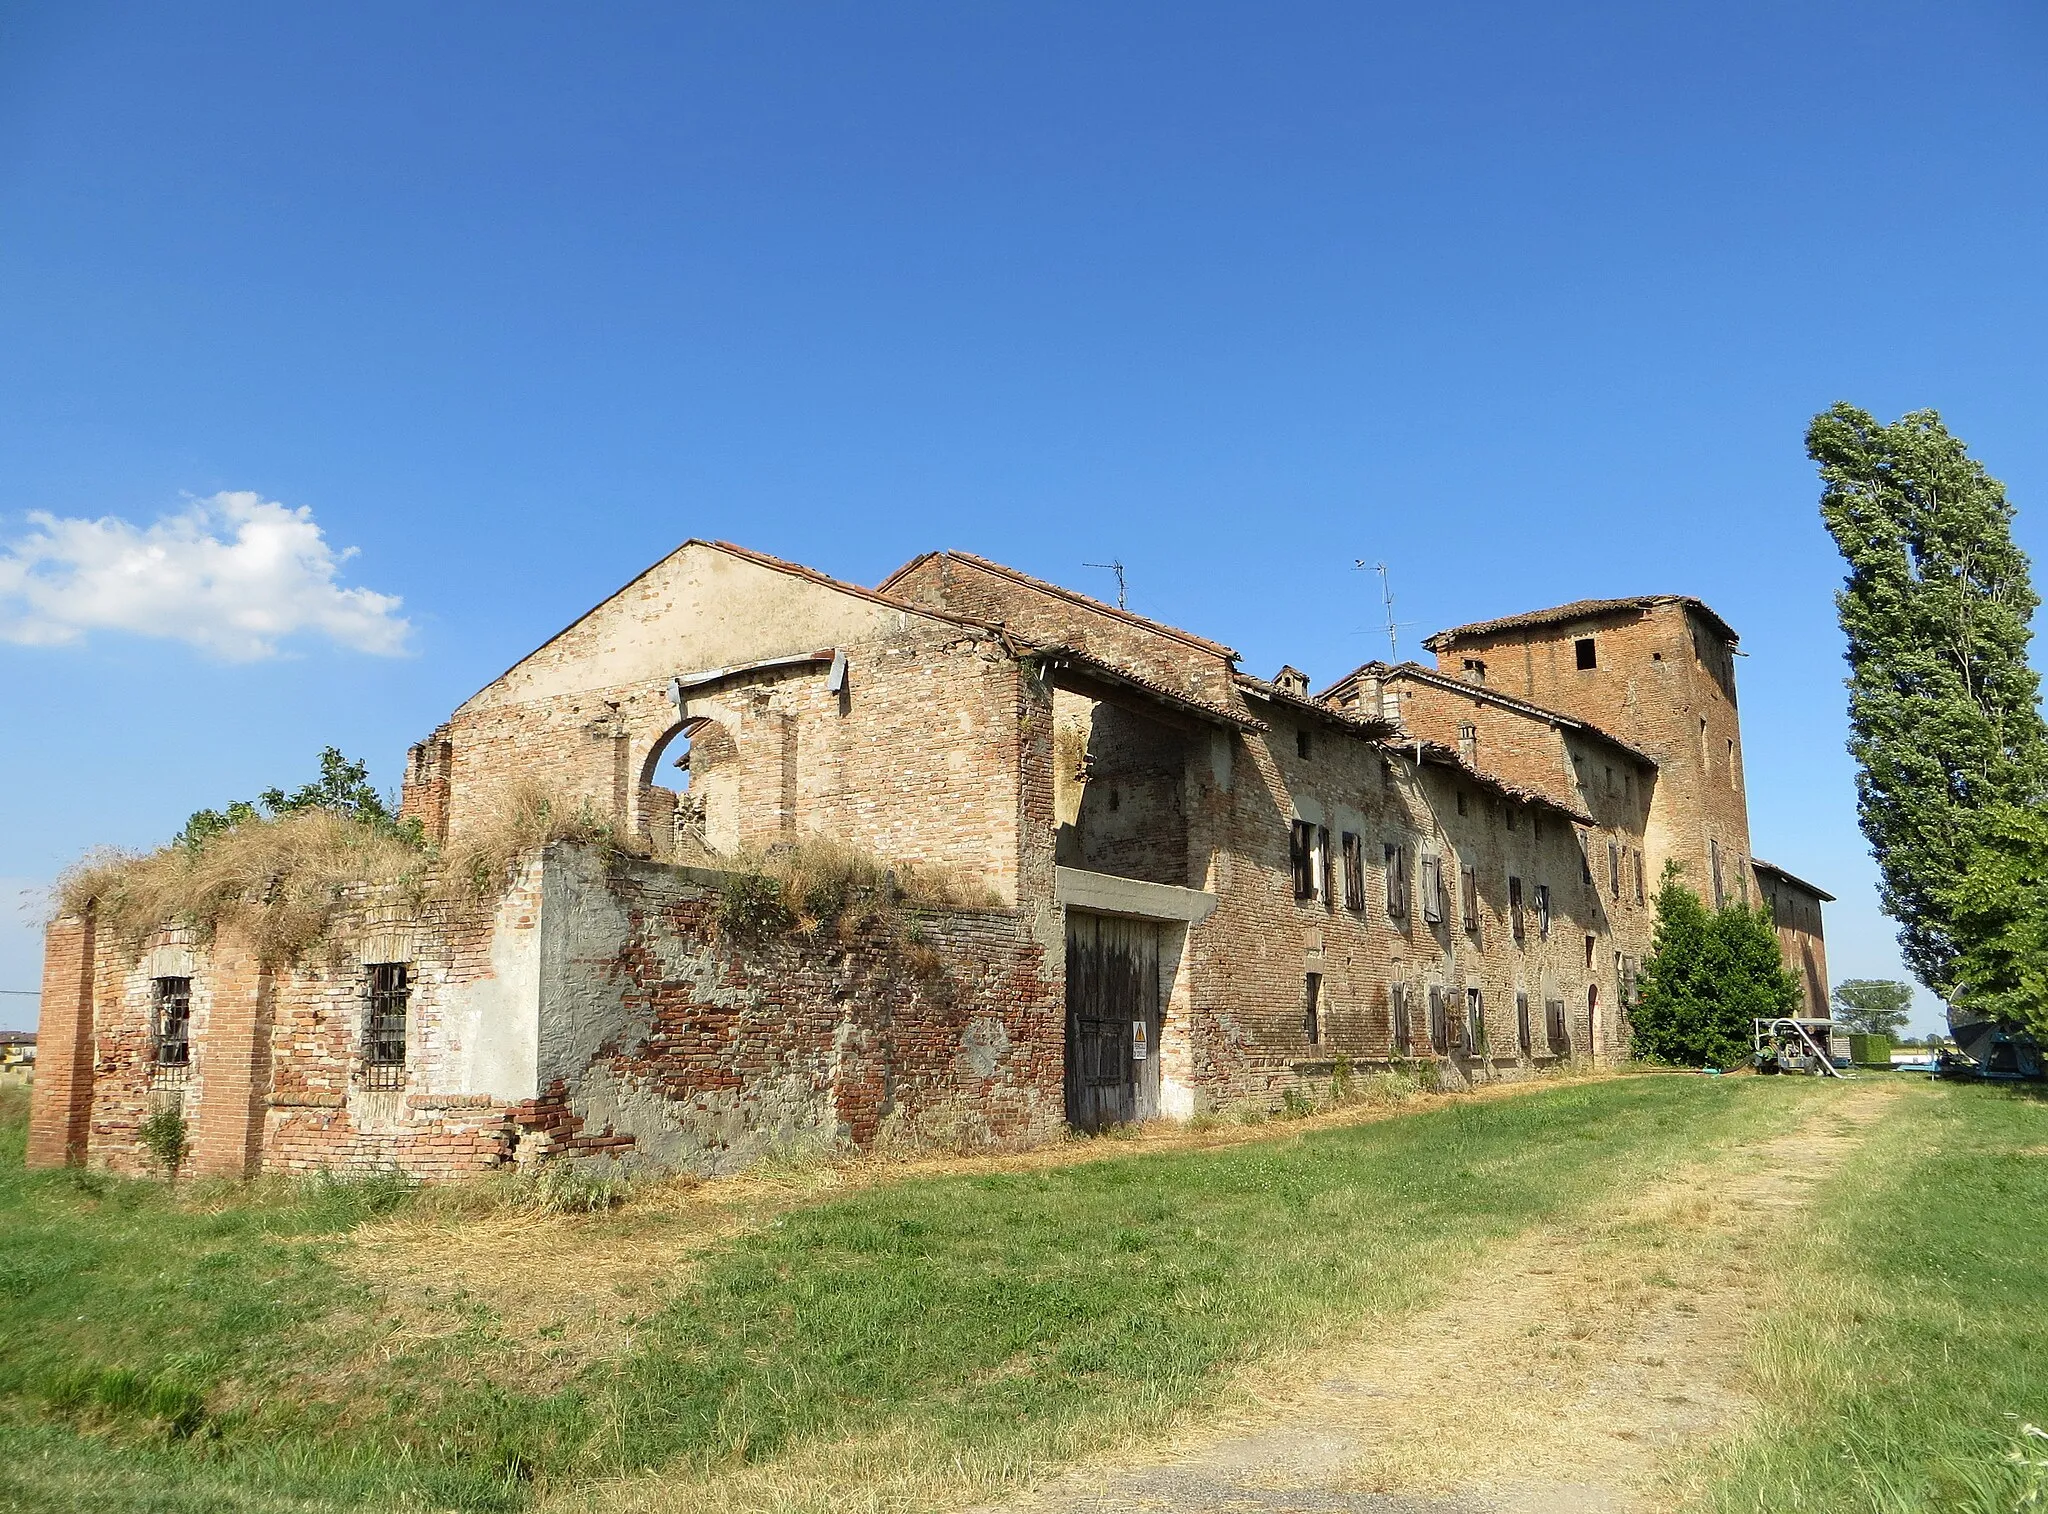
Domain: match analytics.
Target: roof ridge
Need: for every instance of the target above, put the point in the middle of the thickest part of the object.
(1020, 576)
(1573, 610)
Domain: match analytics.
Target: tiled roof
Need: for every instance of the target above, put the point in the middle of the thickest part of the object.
(1771, 867)
(1443, 756)
(1480, 691)
(1117, 673)
(1578, 609)
(1364, 725)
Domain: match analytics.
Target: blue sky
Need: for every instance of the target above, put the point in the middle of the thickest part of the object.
(1531, 302)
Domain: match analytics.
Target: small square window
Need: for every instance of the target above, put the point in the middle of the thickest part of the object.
(1586, 653)
(171, 1030)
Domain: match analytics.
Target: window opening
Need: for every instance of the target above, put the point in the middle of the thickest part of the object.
(1312, 1009)
(1591, 943)
(1397, 881)
(1301, 743)
(1432, 889)
(1301, 840)
(1543, 912)
(1585, 857)
(1555, 1032)
(1468, 897)
(1522, 1021)
(390, 988)
(1397, 1009)
(171, 1029)
(1354, 871)
(1585, 652)
(1639, 876)
(1731, 766)
(1515, 926)
(1475, 1021)
(1614, 869)
(1439, 1023)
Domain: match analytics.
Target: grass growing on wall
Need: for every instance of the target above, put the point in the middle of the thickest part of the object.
(951, 1333)
(1908, 1354)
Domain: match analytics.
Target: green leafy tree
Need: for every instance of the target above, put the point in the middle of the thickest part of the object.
(1944, 712)
(343, 787)
(1708, 975)
(1873, 1006)
(1998, 906)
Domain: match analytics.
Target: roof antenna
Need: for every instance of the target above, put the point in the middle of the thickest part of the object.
(1387, 598)
(1118, 569)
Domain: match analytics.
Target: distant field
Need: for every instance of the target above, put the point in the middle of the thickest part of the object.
(931, 1339)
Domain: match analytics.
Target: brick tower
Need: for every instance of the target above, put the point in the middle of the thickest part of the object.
(1657, 671)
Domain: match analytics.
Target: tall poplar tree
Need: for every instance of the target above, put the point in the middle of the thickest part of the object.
(1944, 712)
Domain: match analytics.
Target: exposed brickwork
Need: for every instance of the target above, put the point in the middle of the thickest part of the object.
(1795, 909)
(60, 1108)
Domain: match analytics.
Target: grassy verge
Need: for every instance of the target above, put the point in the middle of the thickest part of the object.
(892, 1347)
(1905, 1358)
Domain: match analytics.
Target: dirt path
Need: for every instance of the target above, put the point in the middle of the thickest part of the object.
(1477, 1408)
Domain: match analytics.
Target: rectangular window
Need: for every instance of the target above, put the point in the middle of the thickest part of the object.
(1714, 870)
(1432, 877)
(1543, 912)
(1639, 876)
(1439, 1023)
(1397, 1011)
(1515, 926)
(1555, 1035)
(1587, 655)
(1301, 743)
(1301, 840)
(389, 989)
(1585, 858)
(1522, 1021)
(1354, 871)
(1614, 868)
(1592, 943)
(1468, 897)
(170, 1028)
(1312, 1009)
(1475, 1022)
(1397, 881)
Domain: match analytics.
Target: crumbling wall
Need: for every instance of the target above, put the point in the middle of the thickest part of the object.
(678, 1046)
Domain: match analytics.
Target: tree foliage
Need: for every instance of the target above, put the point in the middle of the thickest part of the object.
(1873, 1006)
(343, 787)
(1708, 975)
(1944, 712)
(1998, 907)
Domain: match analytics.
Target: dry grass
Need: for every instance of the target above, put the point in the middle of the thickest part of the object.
(281, 879)
(820, 882)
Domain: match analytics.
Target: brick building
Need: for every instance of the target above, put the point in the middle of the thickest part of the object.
(1197, 887)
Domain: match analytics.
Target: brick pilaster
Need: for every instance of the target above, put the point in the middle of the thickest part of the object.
(60, 1109)
(227, 1132)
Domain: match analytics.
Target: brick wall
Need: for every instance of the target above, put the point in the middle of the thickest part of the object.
(60, 1108)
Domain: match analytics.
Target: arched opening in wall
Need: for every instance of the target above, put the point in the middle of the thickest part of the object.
(669, 816)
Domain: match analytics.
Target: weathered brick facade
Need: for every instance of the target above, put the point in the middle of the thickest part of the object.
(1416, 865)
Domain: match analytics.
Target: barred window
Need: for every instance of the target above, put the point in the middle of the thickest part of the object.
(170, 1028)
(388, 990)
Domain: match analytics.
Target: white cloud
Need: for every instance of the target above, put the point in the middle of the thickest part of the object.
(235, 574)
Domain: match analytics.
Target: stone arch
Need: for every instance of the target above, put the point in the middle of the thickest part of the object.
(677, 819)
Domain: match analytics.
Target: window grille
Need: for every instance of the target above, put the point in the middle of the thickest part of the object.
(171, 1029)
(389, 989)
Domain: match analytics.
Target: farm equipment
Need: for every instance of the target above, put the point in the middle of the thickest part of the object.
(1989, 1050)
(1801, 1046)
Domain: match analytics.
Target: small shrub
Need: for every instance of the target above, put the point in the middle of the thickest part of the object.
(166, 1138)
(1343, 1082)
(1295, 1105)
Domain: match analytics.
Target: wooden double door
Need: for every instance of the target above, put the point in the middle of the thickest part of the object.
(1113, 1020)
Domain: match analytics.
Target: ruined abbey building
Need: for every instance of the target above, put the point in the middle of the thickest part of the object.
(1188, 887)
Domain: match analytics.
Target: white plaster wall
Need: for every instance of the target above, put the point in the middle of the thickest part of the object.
(492, 1025)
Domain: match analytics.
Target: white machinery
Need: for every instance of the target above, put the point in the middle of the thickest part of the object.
(1808, 1046)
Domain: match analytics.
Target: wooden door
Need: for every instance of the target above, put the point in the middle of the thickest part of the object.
(1113, 1020)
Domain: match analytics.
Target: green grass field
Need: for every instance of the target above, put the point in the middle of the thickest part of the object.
(1917, 1353)
(205, 1351)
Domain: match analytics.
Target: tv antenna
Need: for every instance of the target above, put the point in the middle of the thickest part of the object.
(1118, 569)
(1387, 599)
